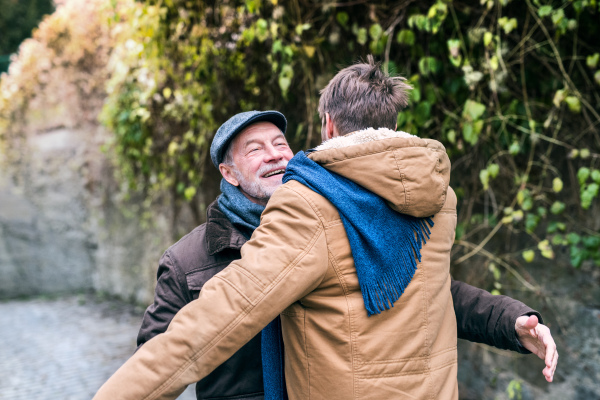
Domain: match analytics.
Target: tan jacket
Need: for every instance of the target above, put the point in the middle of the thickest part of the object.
(299, 264)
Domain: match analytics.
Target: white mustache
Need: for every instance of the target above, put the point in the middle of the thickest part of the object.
(266, 168)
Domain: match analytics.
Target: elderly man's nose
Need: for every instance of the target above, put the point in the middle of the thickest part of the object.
(273, 153)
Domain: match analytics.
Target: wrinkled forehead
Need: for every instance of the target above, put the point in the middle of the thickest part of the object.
(258, 132)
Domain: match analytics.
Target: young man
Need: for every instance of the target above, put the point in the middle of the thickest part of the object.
(306, 259)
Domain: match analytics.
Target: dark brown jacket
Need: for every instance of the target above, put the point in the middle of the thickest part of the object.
(188, 264)
(183, 270)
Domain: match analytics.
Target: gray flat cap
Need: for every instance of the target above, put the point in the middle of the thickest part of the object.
(236, 124)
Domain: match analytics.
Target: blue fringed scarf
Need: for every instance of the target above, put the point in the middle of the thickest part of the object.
(384, 243)
(245, 216)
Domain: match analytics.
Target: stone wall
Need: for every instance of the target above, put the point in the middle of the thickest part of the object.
(46, 245)
(64, 227)
(569, 301)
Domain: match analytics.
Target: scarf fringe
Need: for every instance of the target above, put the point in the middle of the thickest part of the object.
(381, 294)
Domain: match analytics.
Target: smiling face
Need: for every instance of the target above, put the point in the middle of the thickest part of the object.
(259, 155)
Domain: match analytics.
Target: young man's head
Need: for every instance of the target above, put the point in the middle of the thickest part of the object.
(251, 153)
(359, 97)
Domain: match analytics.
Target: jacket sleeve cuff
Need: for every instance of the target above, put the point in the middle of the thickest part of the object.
(515, 343)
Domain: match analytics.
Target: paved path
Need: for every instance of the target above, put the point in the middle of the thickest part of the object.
(64, 348)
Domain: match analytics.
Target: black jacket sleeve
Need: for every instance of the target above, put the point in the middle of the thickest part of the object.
(169, 298)
(485, 318)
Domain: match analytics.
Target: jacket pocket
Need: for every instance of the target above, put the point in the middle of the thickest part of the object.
(197, 278)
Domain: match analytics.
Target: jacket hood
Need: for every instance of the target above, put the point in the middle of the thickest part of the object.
(410, 173)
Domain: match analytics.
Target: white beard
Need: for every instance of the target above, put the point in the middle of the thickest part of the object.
(254, 187)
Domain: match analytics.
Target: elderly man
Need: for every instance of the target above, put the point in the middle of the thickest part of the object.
(314, 277)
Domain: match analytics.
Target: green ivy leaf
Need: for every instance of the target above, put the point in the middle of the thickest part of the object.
(375, 31)
(456, 61)
(557, 185)
(406, 37)
(597, 77)
(361, 36)
(591, 242)
(428, 65)
(557, 16)
(531, 222)
(582, 175)
(342, 19)
(378, 46)
(493, 170)
(586, 199)
(584, 153)
(473, 110)
(573, 238)
(557, 240)
(487, 39)
(544, 11)
(514, 148)
(577, 255)
(546, 249)
(189, 193)
(517, 215)
(592, 61)
(285, 78)
(528, 255)
(262, 30)
(422, 113)
(595, 175)
(522, 195)
(415, 94)
(507, 24)
(559, 97)
(557, 207)
(421, 22)
(253, 6)
(484, 177)
(495, 271)
(552, 227)
(471, 131)
(453, 47)
(301, 28)
(574, 104)
(451, 136)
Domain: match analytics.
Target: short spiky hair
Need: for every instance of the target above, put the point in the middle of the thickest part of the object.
(363, 96)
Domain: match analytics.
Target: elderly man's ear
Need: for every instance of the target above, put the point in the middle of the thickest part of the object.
(226, 171)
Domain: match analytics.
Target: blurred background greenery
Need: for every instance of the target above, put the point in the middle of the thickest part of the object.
(18, 18)
(510, 87)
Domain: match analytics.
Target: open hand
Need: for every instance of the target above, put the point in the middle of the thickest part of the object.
(536, 338)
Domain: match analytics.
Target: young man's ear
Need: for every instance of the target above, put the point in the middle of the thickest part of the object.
(330, 131)
(227, 172)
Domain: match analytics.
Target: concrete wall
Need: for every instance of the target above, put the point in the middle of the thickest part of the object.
(45, 245)
(64, 228)
(569, 301)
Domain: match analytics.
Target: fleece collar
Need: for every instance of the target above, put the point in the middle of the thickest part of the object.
(361, 137)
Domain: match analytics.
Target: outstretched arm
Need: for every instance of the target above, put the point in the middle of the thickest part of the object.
(233, 306)
(485, 318)
(502, 322)
(536, 338)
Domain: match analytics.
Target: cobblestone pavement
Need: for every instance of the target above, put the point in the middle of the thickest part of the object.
(64, 348)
